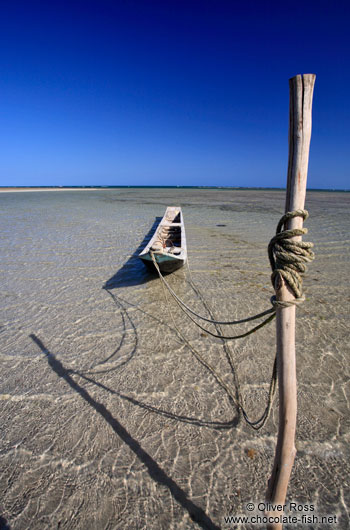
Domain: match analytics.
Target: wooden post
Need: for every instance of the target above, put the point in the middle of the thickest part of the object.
(301, 92)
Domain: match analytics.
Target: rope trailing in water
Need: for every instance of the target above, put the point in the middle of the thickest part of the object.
(288, 260)
(217, 335)
(256, 425)
(210, 320)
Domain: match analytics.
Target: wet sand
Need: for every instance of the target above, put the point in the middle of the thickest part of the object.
(108, 420)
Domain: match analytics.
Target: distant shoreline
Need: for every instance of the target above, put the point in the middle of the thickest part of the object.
(12, 189)
(25, 189)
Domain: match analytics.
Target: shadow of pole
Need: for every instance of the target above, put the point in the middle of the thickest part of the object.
(196, 513)
(4, 524)
(217, 425)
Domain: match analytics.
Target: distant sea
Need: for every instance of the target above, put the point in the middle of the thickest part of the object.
(160, 187)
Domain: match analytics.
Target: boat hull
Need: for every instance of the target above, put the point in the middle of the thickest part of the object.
(165, 263)
(168, 244)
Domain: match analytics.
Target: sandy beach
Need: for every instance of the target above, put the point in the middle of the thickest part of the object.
(19, 189)
(108, 421)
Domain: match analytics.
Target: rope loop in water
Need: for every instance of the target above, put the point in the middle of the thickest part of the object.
(288, 260)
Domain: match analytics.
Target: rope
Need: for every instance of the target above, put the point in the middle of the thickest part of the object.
(258, 424)
(217, 335)
(288, 261)
(210, 320)
(288, 258)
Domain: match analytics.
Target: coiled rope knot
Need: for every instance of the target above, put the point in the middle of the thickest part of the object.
(288, 258)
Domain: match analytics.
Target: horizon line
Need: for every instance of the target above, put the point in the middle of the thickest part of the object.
(99, 186)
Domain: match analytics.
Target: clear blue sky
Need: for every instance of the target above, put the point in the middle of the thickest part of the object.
(174, 92)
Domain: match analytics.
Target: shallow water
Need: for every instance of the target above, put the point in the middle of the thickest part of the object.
(108, 420)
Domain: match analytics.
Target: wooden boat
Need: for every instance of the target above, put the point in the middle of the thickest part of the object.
(168, 243)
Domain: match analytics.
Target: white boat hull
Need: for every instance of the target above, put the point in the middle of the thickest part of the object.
(168, 244)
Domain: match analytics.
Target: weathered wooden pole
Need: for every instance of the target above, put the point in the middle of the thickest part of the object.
(301, 92)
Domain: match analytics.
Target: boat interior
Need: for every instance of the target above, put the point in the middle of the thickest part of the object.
(168, 236)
